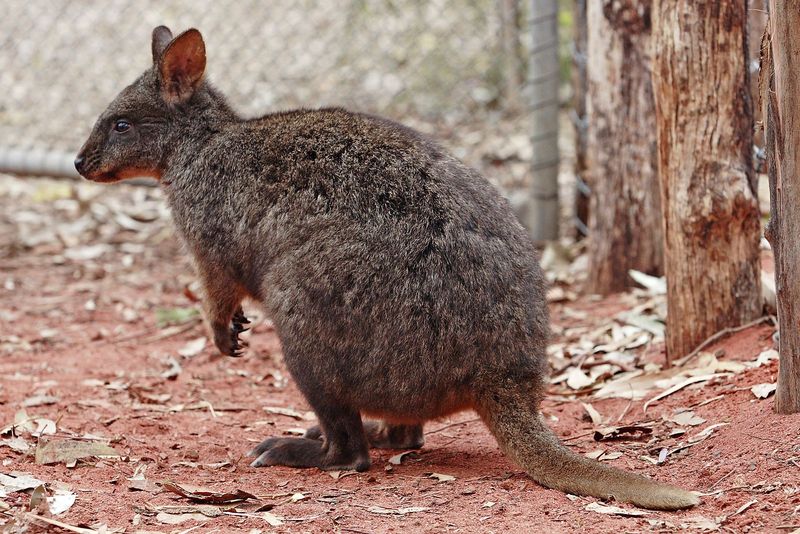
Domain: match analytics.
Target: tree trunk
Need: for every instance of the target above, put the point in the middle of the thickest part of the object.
(579, 90)
(625, 212)
(708, 190)
(541, 215)
(509, 36)
(780, 71)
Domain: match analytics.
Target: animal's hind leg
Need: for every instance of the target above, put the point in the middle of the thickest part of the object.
(344, 446)
(383, 435)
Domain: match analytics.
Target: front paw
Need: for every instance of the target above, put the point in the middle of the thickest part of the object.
(226, 337)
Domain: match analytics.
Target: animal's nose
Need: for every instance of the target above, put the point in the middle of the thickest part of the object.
(79, 162)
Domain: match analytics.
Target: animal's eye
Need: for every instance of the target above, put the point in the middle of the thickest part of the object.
(122, 126)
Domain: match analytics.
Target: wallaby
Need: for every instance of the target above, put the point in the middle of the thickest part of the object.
(401, 285)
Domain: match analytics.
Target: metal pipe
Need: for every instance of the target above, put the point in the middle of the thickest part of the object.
(50, 163)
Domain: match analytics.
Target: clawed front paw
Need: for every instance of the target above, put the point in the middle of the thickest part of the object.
(226, 337)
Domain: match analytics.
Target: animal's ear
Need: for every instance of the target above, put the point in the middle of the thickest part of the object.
(181, 66)
(161, 38)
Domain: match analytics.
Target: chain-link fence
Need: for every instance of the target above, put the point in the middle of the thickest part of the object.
(436, 64)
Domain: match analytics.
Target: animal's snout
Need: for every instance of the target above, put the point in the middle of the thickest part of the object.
(80, 163)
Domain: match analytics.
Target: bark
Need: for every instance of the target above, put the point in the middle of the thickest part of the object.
(757, 24)
(512, 67)
(780, 99)
(579, 90)
(625, 212)
(708, 189)
(541, 215)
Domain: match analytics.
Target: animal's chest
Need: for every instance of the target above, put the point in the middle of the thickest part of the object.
(213, 233)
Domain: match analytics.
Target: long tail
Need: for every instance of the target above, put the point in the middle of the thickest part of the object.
(513, 419)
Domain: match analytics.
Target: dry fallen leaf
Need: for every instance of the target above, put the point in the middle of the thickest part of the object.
(336, 475)
(649, 323)
(766, 357)
(681, 385)
(442, 477)
(55, 500)
(138, 481)
(270, 518)
(744, 507)
(762, 391)
(39, 400)
(205, 495)
(595, 416)
(708, 363)
(699, 523)
(174, 369)
(15, 481)
(632, 385)
(66, 451)
(148, 397)
(61, 501)
(176, 519)
(577, 379)
(88, 252)
(397, 459)
(23, 423)
(38, 500)
(613, 510)
(601, 455)
(16, 444)
(559, 294)
(172, 515)
(686, 418)
(705, 433)
(631, 432)
(656, 285)
(594, 455)
(193, 347)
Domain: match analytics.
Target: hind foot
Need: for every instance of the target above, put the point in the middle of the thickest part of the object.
(304, 452)
(382, 435)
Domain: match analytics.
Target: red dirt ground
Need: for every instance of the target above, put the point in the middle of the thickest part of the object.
(753, 458)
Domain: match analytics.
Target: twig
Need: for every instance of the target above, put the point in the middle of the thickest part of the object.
(707, 401)
(719, 335)
(54, 522)
(628, 407)
(454, 424)
(578, 436)
(147, 336)
(762, 438)
(721, 479)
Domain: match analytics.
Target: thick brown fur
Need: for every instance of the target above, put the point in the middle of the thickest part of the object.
(401, 285)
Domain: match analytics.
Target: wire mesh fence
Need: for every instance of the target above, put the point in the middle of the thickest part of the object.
(437, 61)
